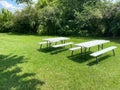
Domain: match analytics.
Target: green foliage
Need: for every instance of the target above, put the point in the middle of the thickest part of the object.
(49, 17)
(115, 23)
(6, 21)
(93, 19)
(26, 21)
(23, 1)
(66, 17)
(111, 19)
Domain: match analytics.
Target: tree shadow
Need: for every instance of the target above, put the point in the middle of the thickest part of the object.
(99, 60)
(80, 58)
(11, 77)
(8, 61)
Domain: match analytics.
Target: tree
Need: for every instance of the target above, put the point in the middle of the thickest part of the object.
(23, 1)
(67, 17)
(6, 20)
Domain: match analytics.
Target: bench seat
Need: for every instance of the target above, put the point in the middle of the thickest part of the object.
(62, 45)
(98, 53)
(73, 49)
(41, 43)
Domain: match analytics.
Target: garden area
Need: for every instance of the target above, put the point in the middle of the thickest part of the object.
(26, 65)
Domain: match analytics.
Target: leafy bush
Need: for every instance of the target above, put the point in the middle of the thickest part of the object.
(6, 21)
(26, 21)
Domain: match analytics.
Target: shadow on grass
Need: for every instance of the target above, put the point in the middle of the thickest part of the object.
(99, 60)
(10, 77)
(46, 50)
(53, 51)
(80, 58)
(59, 50)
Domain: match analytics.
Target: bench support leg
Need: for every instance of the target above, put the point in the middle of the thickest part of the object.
(97, 59)
(63, 41)
(113, 52)
(81, 51)
(72, 52)
(89, 49)
(102, 46)
(50, 44)
(47, 44)
(85, 51)
(98, 47)
(55, 43)
(40, 46)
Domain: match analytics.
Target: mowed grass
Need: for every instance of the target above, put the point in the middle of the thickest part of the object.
(23, 66)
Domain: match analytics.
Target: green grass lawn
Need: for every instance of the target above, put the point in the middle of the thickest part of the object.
(23, 66)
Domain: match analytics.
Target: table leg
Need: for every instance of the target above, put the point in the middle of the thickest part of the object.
(50, 44)
(72, 52)
(97, 59)
(85, 51)
(64, 41)
(55, 43)
(47, 44)
(113, 52)
(40, 46)
(89, 49)
(81, 51)
(98, 47)
(102, 46)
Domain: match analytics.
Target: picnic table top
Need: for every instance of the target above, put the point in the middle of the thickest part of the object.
(92, 43)
(56, 39)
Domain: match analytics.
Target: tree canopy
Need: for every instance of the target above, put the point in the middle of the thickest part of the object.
(23, 1)
(64, 17)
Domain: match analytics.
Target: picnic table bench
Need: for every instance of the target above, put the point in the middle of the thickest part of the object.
(73, 49)
(98, 53)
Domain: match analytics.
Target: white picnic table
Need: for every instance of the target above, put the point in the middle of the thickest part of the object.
(92, 43)
(55, 39)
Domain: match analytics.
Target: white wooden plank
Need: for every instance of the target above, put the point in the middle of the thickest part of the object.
(75, 48)
(92, 43)
(95, 54)
(42, 43)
